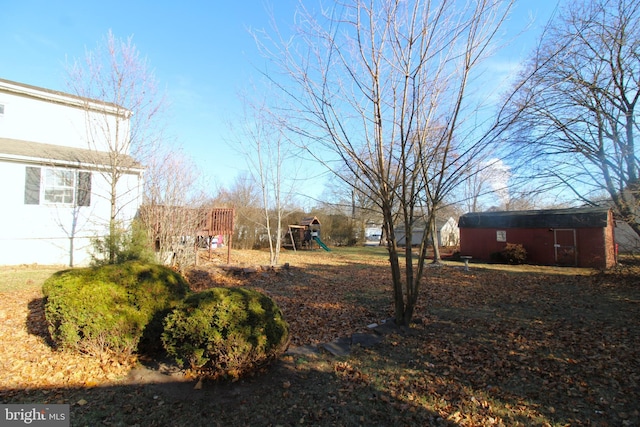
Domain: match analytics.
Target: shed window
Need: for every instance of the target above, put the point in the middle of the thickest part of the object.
(501, 236)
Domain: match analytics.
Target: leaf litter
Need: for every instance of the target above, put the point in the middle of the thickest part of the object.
(488, 347)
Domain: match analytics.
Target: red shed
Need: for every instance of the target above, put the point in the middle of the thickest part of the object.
(580, 237)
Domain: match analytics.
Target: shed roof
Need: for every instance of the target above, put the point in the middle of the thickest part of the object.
(550, 218)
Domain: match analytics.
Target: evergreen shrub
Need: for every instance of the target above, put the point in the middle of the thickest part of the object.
(225, 332)
(122, 245)
(111, 308)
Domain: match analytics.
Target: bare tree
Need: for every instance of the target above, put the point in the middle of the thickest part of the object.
(352, 200)
(261, 138)
(244, 196)
(487, 181)
(577, 109)
(116, 74)
(380, 86)
(174, 206)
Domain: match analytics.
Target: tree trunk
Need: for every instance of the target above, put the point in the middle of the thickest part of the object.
(434, 238)
(113, 244)
(394, 262)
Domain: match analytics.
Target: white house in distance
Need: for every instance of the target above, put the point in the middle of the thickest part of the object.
(55, 190)
(447, 231)
(373, 235)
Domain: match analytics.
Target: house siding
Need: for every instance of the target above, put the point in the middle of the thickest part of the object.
(41, 115)
(53, 234)
(627, 241)
(448, 234)
(42, 129)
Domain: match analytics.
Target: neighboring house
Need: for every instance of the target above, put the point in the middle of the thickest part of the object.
(581, 237)
(447, 231)
(373, 235)
(627, 240)
(55, 190)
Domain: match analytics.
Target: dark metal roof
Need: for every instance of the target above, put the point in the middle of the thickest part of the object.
(550, 218)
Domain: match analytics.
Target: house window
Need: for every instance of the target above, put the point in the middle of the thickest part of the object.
(1, 110)
(57, 186)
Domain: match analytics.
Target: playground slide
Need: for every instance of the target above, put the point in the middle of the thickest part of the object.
(322, 245)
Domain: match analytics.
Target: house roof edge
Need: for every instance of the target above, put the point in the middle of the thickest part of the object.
(50, 95)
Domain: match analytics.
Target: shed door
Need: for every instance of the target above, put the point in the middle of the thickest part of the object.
(565, 247)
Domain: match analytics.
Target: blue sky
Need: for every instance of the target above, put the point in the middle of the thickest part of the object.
(201, 52)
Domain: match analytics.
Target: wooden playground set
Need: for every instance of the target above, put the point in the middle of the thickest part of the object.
(305, 235)
(215, 225)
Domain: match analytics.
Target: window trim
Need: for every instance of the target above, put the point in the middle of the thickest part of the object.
(54, 186)
(37, 187)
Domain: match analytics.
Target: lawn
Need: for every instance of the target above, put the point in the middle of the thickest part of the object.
(496, 345)
(24, 277)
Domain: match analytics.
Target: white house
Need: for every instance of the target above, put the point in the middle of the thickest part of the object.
(447, 230)
(55, 192)
(627, 240)
(373, 235)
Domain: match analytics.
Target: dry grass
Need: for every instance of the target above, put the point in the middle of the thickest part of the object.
(24, 277)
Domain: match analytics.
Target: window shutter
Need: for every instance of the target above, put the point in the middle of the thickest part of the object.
(83, 192)
(32, 186)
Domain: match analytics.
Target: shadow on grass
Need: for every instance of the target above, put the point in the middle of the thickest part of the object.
(37, 323)
(294, 391)
(517, 348)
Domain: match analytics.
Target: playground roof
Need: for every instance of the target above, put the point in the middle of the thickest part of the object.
(312, 220)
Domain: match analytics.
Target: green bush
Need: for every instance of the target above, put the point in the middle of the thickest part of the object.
(514, 253)
(122, 245)
(111, 308)
(225, 332)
